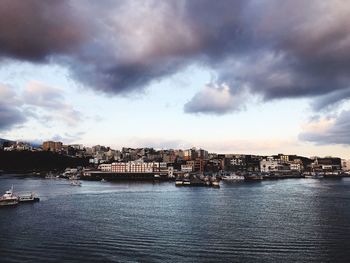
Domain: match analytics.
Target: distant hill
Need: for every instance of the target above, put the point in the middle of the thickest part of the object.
(26, 161)
(2, 141)
(34, 144)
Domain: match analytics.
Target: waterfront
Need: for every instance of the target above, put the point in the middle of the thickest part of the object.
(305, 220)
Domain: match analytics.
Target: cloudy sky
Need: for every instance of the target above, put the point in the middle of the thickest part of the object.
(241, 76)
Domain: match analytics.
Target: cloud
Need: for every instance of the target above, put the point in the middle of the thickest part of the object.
(266, 48)
(333, 130)
(10, 112)
(41, 96)
(35, 30)
(157, 143)
(68, 137)
(216, 100)
(18, 107)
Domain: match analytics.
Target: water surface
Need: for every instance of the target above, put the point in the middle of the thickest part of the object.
(294, 220)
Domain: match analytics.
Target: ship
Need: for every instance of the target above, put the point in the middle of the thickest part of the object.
(232, 177)
(28, 197)
(214, 182)
(178, 182)
(9, 198)
(253, 177)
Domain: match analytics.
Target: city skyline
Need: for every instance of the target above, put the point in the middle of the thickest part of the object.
(253, 78)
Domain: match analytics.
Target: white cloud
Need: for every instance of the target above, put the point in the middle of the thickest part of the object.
(40, 96)
(216, 99)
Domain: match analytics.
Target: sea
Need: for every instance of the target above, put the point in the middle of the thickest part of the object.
(291, 220)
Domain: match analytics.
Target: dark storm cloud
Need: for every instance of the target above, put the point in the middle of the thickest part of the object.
(35, 29)
(270, 49)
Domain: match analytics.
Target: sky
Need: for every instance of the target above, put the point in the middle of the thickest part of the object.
(230, 76)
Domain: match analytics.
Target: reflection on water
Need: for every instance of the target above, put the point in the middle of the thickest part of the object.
(291, 220)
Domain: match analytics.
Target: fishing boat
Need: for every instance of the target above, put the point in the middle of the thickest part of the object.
(9, 198)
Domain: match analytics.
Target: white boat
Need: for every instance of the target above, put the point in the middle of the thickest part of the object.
(75, 183)
(313, 175)
(317, 176)
(232, 177)
(178, 181)
(215, 183)
(27, 197)
(9, 198)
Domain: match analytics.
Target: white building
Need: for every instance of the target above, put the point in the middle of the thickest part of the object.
(134, 167)
(186, 168)
(296, 167)
(105, 167)
(269, 165)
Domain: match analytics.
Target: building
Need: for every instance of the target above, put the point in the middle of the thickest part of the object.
(345, 165)
(202, 154)
(269, 164)
(52, 146)
(134, 167)
(105, 167)
(186, 168)
(326, 164)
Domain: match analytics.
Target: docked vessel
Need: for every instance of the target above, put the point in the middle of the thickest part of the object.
(253, 177)
(186, 181)
(214, 182)
(178, 182)
(28, 197)
(313, 175)
(9, 199)
(232, 177)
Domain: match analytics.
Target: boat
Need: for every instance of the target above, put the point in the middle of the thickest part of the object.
(214, 182)
(186, 181)
(75, 183)
(313, 175)
(9, 198)
(28, 197)
(316, 176)
(178, 182)
(253, 177)
(232, 177)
